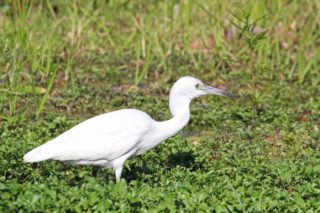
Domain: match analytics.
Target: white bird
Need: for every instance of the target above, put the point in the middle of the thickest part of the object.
(108, 140)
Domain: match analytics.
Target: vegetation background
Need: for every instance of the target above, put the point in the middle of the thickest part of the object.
(65, 61)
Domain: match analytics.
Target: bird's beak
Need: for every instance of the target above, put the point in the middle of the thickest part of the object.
(216, 91)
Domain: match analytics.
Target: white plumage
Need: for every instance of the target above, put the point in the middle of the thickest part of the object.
(109, 139)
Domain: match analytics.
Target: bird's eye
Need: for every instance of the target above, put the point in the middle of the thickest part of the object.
(198, 86)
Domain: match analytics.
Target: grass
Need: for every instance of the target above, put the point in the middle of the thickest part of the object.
(65, 61)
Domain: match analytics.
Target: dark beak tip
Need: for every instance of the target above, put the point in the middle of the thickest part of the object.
(234, 96)
(230, 95)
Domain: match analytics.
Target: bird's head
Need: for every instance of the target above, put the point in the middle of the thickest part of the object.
(190, 87)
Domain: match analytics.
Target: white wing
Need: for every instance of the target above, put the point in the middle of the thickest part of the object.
(107, 136)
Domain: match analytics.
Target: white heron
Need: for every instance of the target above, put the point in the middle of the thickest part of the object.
(108, 140)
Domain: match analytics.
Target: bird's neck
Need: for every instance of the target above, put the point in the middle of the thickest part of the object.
(179, 108)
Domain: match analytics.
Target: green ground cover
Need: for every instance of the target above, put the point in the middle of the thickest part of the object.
(65, 61)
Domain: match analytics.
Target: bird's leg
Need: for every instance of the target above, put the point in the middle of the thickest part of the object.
(117, 164)
(118, 172)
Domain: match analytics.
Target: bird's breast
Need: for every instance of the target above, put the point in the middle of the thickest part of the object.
(152, 139)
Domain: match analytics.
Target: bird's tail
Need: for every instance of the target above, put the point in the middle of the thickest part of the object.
(35, 155)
